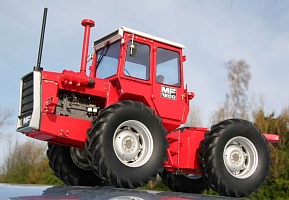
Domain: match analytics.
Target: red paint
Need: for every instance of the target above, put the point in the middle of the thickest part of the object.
(87, 23)
(184, 149)
(272, 138)
(74, 78)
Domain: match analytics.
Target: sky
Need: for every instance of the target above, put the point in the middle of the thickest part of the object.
(212, 31)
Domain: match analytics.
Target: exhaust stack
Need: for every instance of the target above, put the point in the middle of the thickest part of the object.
(38, 68)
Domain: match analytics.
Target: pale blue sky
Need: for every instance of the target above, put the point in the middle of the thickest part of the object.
(213, 32)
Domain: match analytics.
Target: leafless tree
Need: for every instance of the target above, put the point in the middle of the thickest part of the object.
(5, 116)
(194, 118)
(235, 105)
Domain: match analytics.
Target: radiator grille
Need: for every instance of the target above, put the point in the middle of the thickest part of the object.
(26, 99)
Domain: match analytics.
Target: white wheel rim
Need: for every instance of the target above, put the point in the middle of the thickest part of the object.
(133, 143)
(240, 157)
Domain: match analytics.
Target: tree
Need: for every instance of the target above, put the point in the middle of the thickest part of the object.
(277, 186)
(235, 105)
(194, 118)
(27, 163)
(5, 116)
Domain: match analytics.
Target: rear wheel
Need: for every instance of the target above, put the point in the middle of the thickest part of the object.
(127, 144)
(235, 158)
(70, 165)
(189, 183)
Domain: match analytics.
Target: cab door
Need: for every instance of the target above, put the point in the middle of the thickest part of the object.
(135, 71)
(168, 90)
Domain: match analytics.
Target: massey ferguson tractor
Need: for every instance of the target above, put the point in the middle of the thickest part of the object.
(117, 122)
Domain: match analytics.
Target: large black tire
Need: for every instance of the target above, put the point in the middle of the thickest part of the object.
(66, 170)
(235, 158)
(127, 144)
(190, 183)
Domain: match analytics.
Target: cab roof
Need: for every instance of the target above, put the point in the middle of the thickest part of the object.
(119, 33)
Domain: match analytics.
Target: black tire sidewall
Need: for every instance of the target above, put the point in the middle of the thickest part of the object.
(70, 165)
(66, 170)
(144, 116)
(253, 134)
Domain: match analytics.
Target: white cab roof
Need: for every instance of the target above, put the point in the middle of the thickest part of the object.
(118, 33)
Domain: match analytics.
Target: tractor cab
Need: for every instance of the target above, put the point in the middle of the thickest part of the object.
(144, 68)
(139, 50)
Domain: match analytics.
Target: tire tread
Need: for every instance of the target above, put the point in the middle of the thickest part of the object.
(207, 158)
(96, 156)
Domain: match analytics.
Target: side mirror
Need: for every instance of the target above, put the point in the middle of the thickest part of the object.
(133, 50)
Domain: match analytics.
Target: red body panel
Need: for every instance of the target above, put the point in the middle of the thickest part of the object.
(100, 88)
(62, 130)
(184, 149)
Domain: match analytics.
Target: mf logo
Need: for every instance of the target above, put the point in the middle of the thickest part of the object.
(26, 120)
(169, 93)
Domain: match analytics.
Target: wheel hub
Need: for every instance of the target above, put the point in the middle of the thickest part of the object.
(78, 156)
(133, 143)
(127, 145)
(234, 158)
(240, 157)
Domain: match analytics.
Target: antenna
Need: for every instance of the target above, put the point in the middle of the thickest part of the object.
(38, 68)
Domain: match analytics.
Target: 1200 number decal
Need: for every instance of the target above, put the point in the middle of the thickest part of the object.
(169, 93)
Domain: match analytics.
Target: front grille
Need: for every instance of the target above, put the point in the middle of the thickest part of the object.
(29, 114)
(27, 95)
(26, 106)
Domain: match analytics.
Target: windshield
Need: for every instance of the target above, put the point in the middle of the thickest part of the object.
(107, 60)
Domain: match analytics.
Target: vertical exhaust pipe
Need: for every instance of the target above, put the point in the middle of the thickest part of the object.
(38, 67)
(87, 23)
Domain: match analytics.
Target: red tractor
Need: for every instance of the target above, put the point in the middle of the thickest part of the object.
(119, 123)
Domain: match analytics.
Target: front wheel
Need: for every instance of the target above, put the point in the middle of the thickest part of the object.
(70, 165)
(127, 144)
(235, 158)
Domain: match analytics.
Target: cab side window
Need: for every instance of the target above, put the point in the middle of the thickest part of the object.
(168, 67)
(137, 65)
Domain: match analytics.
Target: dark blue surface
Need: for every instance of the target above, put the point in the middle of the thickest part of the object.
(35, 192)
